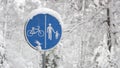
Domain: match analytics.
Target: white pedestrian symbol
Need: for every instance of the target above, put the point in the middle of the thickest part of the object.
(56, 34)
(49, 31)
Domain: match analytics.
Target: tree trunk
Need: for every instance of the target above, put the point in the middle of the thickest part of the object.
(109, 41)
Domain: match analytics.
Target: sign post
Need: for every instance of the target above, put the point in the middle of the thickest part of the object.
(44, 60)
(43, 30)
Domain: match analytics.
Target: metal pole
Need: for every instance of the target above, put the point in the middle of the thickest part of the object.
(44, 60)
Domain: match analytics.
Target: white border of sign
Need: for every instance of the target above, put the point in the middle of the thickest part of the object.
(42, 11)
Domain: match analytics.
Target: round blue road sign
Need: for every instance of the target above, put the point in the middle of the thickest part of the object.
(43, 31)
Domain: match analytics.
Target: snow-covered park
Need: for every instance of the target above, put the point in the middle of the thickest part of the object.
(90, 34)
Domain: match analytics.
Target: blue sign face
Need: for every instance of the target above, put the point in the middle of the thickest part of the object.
(43, 31)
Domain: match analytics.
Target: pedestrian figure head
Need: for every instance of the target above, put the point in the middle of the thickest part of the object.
(56, 32)
(49, 24)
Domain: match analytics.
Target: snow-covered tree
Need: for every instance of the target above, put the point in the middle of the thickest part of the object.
(90, 34)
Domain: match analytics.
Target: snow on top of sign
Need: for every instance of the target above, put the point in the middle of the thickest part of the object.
(45, 11)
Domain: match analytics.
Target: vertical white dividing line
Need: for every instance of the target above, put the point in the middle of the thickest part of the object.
(45, 30)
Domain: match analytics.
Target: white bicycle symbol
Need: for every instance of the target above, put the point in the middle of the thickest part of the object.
(35, 31)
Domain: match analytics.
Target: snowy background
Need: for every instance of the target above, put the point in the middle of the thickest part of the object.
(91, 34)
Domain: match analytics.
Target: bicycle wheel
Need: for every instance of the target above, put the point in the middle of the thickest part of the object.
(41, 33)
(29, 33)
